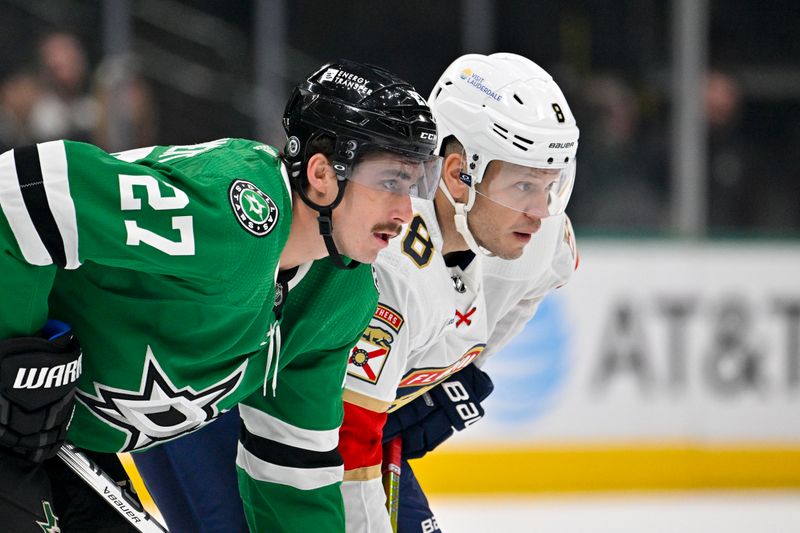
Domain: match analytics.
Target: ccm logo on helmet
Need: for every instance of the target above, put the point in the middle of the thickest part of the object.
(48, 377)
(427, 136)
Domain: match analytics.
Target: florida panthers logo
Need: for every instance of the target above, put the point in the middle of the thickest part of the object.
(159, 410)
(370, 353)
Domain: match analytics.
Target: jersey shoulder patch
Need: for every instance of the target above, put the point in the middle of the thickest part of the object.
(255, 211)
(368, 357)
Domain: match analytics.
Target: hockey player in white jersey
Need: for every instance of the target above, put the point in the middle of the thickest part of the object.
(465, 275)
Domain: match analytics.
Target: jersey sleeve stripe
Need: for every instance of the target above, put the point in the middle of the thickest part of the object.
(299, 478)
(365, 473)
(16, 212)
(31, 183)
(53, 159)
(264, 425)
(367, 402)
(284, 455)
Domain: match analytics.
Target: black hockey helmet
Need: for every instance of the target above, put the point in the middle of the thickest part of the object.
(362, 108)
(359, 105)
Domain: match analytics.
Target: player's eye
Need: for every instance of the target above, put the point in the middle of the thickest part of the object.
(392, 185)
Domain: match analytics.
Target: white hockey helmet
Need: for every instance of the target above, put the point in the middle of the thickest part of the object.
(505, 107)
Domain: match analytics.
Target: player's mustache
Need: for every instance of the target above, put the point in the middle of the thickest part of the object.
(387, 227)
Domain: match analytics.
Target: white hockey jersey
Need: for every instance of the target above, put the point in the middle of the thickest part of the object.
(433, 320)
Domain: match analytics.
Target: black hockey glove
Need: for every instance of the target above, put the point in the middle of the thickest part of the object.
(430, 419)
(38, 378)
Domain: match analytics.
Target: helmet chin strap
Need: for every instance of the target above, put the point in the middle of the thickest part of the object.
(325, 220)
(460, 218)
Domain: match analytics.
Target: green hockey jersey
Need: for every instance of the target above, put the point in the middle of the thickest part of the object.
(164, 261)
(290, 470)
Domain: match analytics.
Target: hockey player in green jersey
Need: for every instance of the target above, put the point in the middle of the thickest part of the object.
(165, 261)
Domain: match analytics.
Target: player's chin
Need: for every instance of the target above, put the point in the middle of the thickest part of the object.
(510, 254)
(368, 253)
(504, 250)
(511, 247)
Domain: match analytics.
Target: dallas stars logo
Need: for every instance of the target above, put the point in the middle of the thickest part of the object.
(51, 525)
(159, 410)
(255, 211)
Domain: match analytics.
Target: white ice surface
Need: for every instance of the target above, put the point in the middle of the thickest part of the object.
(675, 512)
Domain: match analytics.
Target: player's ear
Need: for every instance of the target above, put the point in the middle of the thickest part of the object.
(451, 168)
(322, 186)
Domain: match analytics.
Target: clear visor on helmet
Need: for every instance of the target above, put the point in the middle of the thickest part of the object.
(398, 173)
(539, 192)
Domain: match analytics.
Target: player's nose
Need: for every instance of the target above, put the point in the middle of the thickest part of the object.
(402, 209)
(538, 208)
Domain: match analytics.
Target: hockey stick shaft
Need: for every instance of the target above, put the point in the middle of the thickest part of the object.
(392, 458)
(109, 490)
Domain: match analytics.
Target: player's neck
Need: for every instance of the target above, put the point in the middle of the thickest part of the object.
(304, 243)
(452, 241)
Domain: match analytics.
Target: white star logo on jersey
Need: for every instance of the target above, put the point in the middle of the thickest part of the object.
(159, 410)
(255, 204)
(51, 524)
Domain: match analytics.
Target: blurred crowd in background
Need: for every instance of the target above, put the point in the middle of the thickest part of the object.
(63, 96)
(611, 59)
